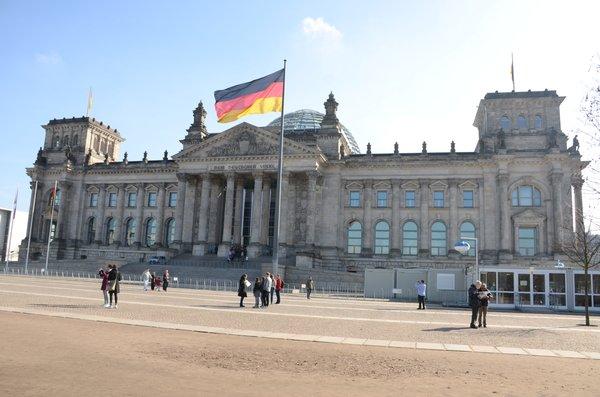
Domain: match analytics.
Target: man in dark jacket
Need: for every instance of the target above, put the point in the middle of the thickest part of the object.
(474, 301)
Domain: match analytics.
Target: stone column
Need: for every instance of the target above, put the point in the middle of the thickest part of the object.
(284, 230)
(311, 208)
(424, 231)
(453, 227)
(266, 206)
(215, 221)
(367, 243)
(577, 183)
(140, 230)
(120, 222)
(181, 185)
(76, 212)
(556, 179)
(228, 215)
(504, 212)
(101, 211)
(38, 206)
(160, 218)
(395, 235)
(201, 247)
(238, 211)
(254, 248)
(188, 213)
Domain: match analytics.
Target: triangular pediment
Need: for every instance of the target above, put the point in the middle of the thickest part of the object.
(529, 215)
(243, 140)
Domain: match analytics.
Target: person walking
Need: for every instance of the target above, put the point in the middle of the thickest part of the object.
(421, 288)
(146, 279)
(279, 284)
(484, 299)
(242, 288)
(474, 301)
(165, 280)
(272, 291)
(114, 277)
(104, 286)
(152, 281)
(310, 285)
(257, 291)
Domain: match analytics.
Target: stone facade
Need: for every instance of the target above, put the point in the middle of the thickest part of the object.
(341, 210)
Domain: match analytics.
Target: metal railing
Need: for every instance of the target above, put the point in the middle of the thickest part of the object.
(345, 290)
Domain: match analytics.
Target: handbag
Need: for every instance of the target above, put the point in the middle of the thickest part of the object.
(247, 283)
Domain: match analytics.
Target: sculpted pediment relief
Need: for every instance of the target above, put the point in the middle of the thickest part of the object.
(382, 185)
(243, 140)
(410, 185)
(468, 185)
(529, 215)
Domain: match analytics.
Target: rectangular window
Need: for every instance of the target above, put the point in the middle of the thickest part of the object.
(152, 199)
(468, 199)
(173, 199)
(409, 199)
(354, 199)
(438, 199)
(382, 199)
(94, 200)
(132, 199)
(527, 241)
(112, 199)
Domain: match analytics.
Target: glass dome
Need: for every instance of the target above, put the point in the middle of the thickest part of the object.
(307, 120)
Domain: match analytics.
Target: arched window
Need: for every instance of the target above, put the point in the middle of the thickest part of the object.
(438, 239)
(538, 122)
(130, 228)
(55, 141)
(75, 140)
(65, 141)
(91, 230)
(410, 242)
(505, 123)
(522, 123)
(354, 238)
(526, 196)
(170, 232)
(467, 229)
(150, 238)
(111, 225)
(382, 238)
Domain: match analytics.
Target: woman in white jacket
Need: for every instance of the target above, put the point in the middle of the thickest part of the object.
(146, 279)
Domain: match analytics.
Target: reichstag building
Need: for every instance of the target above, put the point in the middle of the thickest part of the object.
(342, 209)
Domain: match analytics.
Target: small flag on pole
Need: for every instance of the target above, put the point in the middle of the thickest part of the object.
(512, 70)
(258, 96)
(90, 103)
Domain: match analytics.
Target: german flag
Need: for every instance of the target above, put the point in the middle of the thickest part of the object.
(258, 96)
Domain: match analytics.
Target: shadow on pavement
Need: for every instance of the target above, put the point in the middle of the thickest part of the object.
(446, 329)
(63, 306)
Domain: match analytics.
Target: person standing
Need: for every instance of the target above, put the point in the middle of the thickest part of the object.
(474, 301)
(242, 289)
(165, 280)
(104, 286)
(257, 291)
(266, 289)
(273, 285)
(279, 284)
(421, 288)
(114, 277)
(146, 279)
(310, 285)
(152, 281)
(484, 299)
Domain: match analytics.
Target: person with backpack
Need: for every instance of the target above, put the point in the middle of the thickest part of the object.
(484, 297)
(279, 284)
(257, 291)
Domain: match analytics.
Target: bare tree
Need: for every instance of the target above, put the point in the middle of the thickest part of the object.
(582, 247)
(590, 131)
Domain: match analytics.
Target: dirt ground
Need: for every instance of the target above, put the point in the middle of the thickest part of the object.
(52, 356)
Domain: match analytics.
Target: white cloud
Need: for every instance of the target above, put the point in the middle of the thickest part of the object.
(49, 58)
(317, 27)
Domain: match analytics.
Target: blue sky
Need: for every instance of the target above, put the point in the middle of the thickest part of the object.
(401, 71)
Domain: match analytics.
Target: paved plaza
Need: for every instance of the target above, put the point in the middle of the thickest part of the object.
(382, 333)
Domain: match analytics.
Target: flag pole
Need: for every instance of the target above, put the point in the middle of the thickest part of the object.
(31, 215)
(512, 70)
(50, 226)
(279, 179)
(11, 227)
